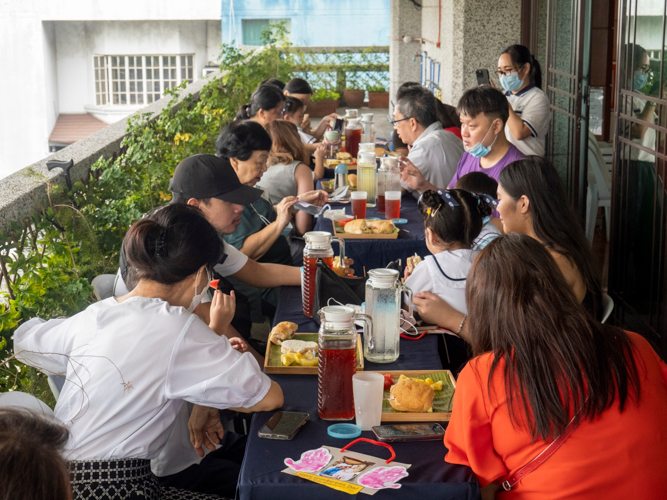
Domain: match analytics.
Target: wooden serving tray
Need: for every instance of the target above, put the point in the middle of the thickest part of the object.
(368, 236)
(440, 402)
(272, 363)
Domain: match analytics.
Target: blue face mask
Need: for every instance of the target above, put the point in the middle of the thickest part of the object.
(479, 150)
(511, 82)
(640, 80)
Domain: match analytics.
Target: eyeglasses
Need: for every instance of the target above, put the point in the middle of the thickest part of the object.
(394, 122)
(500, 72)
(646, 71)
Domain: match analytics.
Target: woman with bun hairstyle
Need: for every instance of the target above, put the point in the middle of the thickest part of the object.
(132, 362)
(266, 104)
(453, 220)
(521, 78)
(301, 89)
(532, 201)
(545, 369)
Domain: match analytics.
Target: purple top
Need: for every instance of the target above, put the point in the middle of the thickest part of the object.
(468, 163)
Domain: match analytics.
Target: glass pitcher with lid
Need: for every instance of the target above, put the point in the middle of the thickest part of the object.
(368, 129)
(383, 304)
(318, 246)
(337, 352)
(367, 177)
(389, 179)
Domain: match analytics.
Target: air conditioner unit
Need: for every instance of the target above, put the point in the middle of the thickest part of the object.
(209, 70)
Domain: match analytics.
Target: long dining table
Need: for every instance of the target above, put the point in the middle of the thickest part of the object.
(430, 477)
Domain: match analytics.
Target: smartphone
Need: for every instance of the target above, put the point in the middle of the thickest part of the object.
(283, 425)
(338, 125)
(482, 76)
(409, 432)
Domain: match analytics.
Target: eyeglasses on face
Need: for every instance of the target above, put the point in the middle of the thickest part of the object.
(394, 122)
(500, 72)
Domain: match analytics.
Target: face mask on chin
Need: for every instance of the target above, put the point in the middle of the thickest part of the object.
(196, 300)
(479, 150)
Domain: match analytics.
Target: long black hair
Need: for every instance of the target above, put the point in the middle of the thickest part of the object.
(558, 360)
(266, 97)
(520, 55)
(240, 139)
(454, 224)
(555, 222)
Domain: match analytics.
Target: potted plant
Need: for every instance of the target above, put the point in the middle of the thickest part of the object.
(378, 96)
(323, 102)
(354, 95)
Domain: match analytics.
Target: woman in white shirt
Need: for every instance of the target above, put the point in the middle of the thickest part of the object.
(453, 221)
(132, 362)
(521, 77)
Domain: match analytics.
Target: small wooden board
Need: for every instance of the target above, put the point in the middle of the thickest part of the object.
(368, 236)
(272, 363)
(441, 400)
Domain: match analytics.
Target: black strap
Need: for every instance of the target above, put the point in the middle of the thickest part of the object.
(443, 272)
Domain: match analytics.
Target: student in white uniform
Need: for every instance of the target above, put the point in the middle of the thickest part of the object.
(521, 77)
(452, 223)
(434, 151)
(132, 362)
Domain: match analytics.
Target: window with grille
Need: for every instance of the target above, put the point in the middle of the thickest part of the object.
(139, 80)
(252, 29)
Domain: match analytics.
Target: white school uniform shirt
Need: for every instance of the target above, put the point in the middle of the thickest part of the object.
(444, 274)
(305, 138)
(532, 106)
(488, 233)
(130, 367)
(233, 263)
(436, 153)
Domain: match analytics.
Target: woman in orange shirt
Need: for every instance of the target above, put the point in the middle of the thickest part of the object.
(542, 362)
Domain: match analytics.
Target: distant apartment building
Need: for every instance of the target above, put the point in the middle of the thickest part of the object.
(73, 66)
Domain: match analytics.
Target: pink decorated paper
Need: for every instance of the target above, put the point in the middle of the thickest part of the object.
(383, 477)
(310, 461)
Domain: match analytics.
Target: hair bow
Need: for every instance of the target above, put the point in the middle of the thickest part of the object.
(490, 200)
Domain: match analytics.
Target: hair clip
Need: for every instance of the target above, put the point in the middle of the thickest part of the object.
(490, 200)
(428, 211)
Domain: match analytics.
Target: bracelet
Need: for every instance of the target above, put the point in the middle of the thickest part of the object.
(465, 316)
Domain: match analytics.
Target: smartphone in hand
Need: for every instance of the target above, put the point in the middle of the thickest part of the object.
(482, 76)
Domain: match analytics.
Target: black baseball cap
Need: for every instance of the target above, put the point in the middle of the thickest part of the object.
(207, 176)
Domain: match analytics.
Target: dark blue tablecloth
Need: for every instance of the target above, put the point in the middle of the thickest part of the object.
(430, 476)
(373, 254)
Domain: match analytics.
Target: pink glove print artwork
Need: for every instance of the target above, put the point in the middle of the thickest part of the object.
(383, 477)
(310, 461)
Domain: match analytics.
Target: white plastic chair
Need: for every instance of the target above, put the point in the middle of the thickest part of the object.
(607, 307)
(599, 188)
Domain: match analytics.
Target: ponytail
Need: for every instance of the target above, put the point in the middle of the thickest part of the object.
(520, 55)
(266, 97)
(455, 215)
(242, 113)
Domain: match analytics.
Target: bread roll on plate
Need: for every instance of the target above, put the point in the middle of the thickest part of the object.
(282, 331)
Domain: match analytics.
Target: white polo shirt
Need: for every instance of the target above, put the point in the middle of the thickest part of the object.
(445, 277)
(129, 369)
(649, 138)
(306, 138)
(532, 106)
(436, 153)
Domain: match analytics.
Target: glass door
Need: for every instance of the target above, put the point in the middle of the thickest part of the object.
(637, 275)
(567, 72)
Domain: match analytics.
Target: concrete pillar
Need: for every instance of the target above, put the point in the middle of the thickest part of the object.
(473, 33)
(404, 65)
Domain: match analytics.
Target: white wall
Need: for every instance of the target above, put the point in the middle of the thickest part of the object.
(47, 62)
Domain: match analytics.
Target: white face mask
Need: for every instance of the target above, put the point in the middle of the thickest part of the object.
(196, 300)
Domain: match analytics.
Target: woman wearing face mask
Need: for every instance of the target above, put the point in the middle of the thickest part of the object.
(529, 116)
(267, 103)
(483, 112)
(132, 362)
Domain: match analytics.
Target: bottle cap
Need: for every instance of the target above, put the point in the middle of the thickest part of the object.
(383, 277)
(367, 147)
(354, 122)
(331, 135)
(367, 157)
(367, 117)
(341, 168)
(344, 431)
(337, 314)
(351, 113)
(319, 239)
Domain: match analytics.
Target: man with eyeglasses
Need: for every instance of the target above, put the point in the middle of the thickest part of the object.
(434, 151)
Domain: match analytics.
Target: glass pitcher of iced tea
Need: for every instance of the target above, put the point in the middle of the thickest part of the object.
(337, 352)
(383, 304)
(318, 246)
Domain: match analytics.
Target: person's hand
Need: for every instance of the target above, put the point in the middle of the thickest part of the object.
(330, 118)
(238, 344)
(223, 308)
(317, 197)
(305, 124)
(432, 309)
(284, 214)
(492, 83)
(205, 428)
(406, 272)
(320, 151)
(411, 176)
